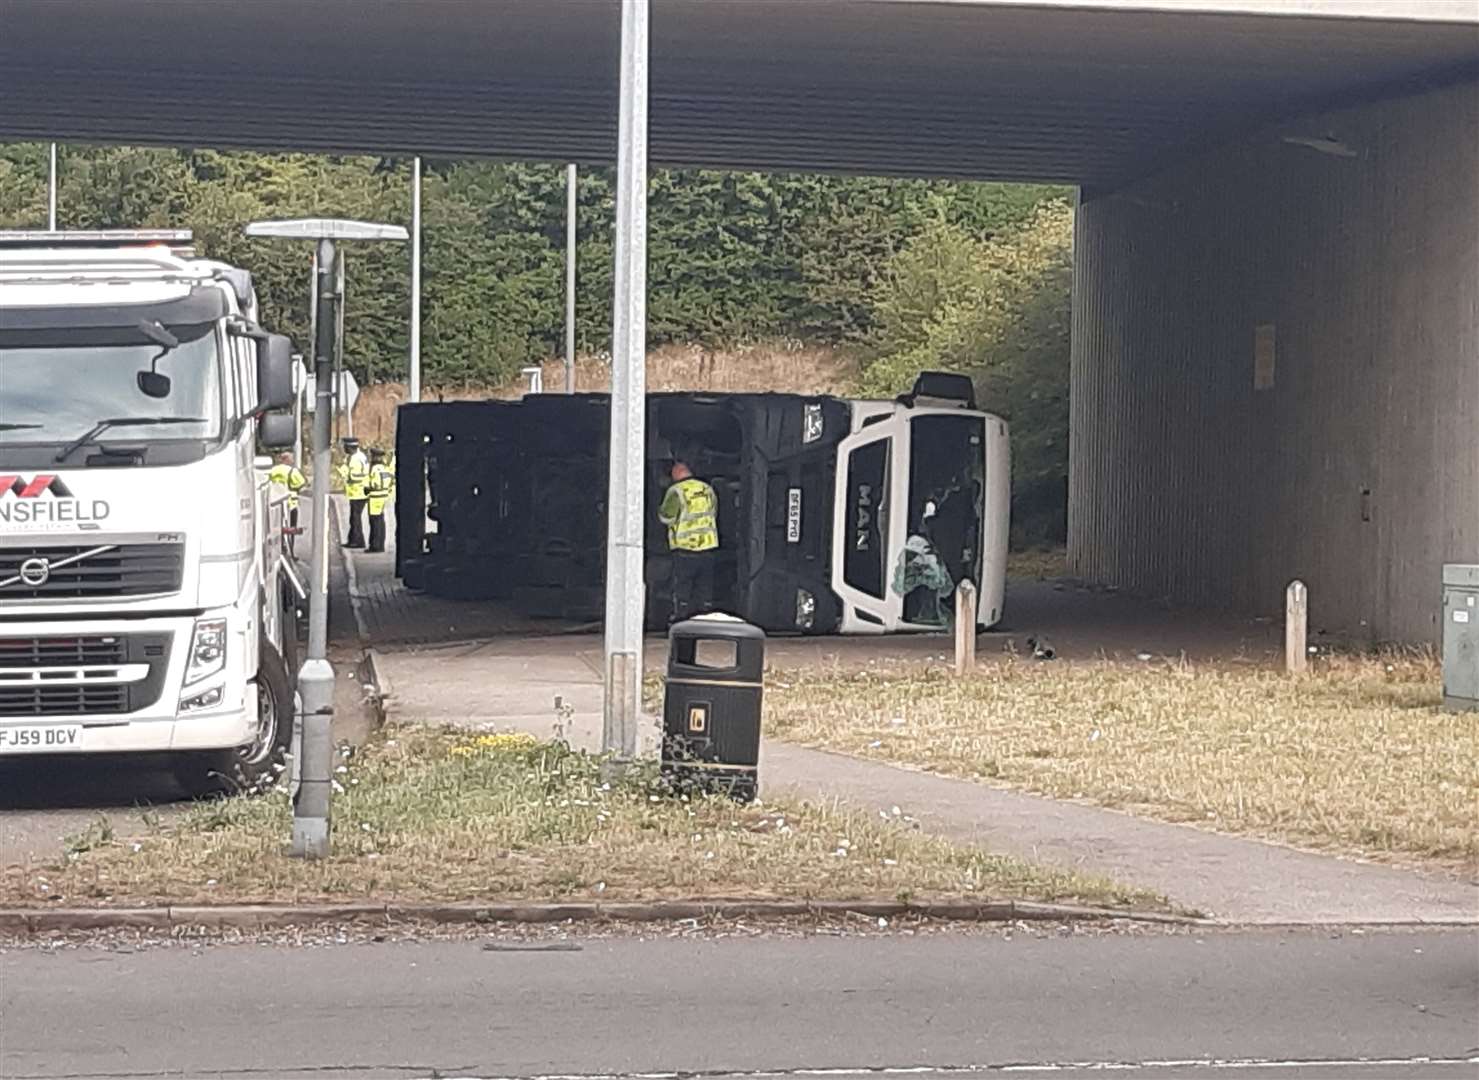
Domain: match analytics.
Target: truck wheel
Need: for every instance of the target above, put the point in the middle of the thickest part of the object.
(253, 767)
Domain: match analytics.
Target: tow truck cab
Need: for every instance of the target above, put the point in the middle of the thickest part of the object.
(141, 606)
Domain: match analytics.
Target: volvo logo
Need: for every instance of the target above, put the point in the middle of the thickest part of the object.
(37, 570)
(35, 573)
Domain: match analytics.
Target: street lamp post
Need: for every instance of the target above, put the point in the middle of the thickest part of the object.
(570, 179)
(415, 388)
(625, 589)
(311, 803)
(51, 191)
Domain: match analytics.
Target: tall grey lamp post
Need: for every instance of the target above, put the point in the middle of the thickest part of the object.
(316, 677)
(626, 592)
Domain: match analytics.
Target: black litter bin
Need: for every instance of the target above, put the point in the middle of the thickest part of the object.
(711, 708)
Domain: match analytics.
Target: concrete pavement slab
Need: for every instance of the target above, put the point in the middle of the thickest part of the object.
(1226, 877)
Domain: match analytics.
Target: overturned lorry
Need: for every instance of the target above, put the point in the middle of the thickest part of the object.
(835, 516)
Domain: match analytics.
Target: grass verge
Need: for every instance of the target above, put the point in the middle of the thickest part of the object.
(442, 815)
(1357, 757)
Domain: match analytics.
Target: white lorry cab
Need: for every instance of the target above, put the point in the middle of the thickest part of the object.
(144, 599)
(922, 502)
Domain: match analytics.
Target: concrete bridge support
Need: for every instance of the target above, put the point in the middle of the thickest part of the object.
(1276, 369)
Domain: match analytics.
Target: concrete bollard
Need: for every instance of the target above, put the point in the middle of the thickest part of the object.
(965, 628)
(1296, 629)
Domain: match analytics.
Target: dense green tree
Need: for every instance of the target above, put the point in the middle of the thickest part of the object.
(732, 257)
(999, 310)
(921, 274)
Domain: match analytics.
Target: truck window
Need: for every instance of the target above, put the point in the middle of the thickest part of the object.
(63, 380)
(865, 559)
(946, 489)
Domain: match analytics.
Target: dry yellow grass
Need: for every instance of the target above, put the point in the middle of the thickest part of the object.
(781, 368)
(442, 815)
(786, 367)
(1358, 757)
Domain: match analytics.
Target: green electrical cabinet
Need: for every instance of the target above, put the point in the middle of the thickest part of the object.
(1461, 637)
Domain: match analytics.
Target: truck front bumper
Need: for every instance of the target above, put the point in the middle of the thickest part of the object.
(110, 686)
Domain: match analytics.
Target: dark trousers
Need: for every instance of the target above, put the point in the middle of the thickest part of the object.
(693, 583)
(356, 523)
(377, 532)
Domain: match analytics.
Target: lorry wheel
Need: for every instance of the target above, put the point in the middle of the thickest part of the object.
(253, 767)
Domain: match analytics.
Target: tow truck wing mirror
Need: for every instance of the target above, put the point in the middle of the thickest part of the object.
(275, 431)
(153, 384)
(274, 372)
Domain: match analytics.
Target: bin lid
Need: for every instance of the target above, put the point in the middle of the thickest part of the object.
(716, 624)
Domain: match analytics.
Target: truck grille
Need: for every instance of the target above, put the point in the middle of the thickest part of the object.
(121, 570)
(39, 652)
(82, 675)
(62, 700)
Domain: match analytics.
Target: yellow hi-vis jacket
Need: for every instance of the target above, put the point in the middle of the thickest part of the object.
(355, 473)
(290, 477)
(379, 487)
(690, 511)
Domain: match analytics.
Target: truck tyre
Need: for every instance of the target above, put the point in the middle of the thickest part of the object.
(251, 768)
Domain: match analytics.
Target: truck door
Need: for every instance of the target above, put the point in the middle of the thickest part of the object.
(864, 527)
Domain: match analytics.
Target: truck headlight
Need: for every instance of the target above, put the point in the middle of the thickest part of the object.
(806, 609)
(208, 700)
(207, 650)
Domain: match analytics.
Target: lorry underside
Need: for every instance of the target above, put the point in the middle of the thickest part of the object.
(507, 501)
(515, 494)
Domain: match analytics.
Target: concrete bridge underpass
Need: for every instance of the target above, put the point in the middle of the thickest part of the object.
(1276, 321)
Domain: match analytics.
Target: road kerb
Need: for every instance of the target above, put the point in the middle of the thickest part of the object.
(379, 678)
(66, 920)
(22, 921)
(272, 916)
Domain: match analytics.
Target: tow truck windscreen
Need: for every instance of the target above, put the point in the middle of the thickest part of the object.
(57, 383)
(946, 492)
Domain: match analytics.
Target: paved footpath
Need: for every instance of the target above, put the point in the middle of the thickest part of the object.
(515, 684)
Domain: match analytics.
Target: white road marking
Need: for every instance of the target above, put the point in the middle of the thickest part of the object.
(1018, 1068)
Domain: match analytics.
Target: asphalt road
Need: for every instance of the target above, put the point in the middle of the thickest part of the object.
(1173, 1004)
(45, 801)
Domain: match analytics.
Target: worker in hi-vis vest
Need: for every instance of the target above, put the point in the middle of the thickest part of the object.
(291, 477)
(355, 472)
(690, 511)
(378, 490)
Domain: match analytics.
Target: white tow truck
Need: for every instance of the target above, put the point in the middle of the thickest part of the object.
(145, 601)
